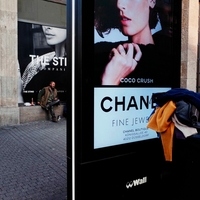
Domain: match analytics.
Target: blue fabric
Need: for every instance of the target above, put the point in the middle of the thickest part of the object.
(177, 94)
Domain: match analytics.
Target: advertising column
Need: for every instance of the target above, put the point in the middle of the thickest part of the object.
(125, 51)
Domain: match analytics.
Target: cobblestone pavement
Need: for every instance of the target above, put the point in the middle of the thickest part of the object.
(33, 162)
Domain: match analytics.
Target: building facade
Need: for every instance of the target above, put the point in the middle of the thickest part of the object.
(12, 12)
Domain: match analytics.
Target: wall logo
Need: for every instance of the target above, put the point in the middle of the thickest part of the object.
(136, 182)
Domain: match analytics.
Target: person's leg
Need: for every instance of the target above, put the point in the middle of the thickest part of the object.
(56, 102)
(52, 113)
(49, 107)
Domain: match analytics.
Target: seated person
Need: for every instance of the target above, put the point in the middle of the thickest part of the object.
(47, 99)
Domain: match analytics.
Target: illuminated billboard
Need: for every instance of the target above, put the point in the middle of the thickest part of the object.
(133, 58)
(42, 58)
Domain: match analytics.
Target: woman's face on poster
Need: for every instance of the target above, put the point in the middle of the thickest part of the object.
(54, 35)
(134, 15)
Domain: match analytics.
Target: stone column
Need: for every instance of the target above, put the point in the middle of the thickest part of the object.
(9, 111)
(189, 44)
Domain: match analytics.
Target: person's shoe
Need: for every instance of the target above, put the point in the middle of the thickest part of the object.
(58, 118)
(54, 119)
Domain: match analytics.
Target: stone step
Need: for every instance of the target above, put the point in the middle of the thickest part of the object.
(36, 113)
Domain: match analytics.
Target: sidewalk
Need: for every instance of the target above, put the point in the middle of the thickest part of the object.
(33, 162)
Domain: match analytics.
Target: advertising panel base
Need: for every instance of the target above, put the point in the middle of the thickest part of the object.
(119, 178)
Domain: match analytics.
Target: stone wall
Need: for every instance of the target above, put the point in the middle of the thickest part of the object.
(9, 111)
(189, 44)
(36, 113)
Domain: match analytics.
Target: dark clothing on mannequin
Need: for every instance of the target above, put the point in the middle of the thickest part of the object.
(177, 94)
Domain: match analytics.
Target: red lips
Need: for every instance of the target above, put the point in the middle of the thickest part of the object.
(124, 20)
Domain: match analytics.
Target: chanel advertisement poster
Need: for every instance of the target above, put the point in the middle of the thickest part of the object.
(121, 115)
(133, 58)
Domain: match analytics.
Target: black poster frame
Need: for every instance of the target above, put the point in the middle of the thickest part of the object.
(80, 100)
(84, 88)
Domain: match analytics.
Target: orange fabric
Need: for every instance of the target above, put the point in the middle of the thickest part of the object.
(161, 122)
